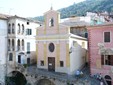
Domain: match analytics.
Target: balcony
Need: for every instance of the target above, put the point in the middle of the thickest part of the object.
(9, 48)
(18, 48)
(104, 51)
(13, 48)
(23, 48)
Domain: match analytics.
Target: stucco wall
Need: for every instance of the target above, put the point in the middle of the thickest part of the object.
(78, 55)
(96, 36)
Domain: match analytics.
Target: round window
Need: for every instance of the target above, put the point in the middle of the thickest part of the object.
(51, 47)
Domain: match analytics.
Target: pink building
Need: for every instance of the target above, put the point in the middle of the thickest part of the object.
(101, 51)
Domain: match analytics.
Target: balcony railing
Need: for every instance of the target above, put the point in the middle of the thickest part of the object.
(105, 51)
(23, 48)
(13, 48)
(18, 48)
(9, 48)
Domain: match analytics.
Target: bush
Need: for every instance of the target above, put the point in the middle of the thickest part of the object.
(25, 65)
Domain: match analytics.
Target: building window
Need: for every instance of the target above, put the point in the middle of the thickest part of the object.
(10, 57)
(61, 64)
(13, 45)
(22, 29)
(51, 47)
(75, 43)
(13, 30)
(18, 47)
(86, 35)
(107, 59)
(28, 31)
(9, 28)
(83, 44)
(18, 28)
(22, 44)
(9, 45)
(28, 47)
(106, 36)
(51, 22)
(42, 63)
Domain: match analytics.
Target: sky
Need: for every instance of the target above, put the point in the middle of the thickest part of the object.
(32, 8)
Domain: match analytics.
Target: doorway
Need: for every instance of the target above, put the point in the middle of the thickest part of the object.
(108, 80)
(19, 58)
(51, 64)
(28, 61)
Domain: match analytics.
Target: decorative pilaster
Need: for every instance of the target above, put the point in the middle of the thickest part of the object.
(58, 54)
(45, 54)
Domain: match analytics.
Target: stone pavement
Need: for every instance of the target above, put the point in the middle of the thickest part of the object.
(73, 80)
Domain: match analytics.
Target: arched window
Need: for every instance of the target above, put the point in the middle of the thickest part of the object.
(108, 79)
(51, 22)
(22, 44)
(22, 29)
(9, 28)
(13, 45)
(18, 28)
(18, 44)
(10, 57)
(13, 30)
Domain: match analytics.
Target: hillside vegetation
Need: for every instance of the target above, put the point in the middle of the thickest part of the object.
(81, 8)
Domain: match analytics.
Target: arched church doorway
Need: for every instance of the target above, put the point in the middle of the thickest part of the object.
(44, 82)
(16, 78)
(108, 80)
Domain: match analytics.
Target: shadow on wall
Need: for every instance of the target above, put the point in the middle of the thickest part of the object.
(33, 58)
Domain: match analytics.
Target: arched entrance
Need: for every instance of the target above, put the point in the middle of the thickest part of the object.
(16, 78)
(108, 80)
(45, 82)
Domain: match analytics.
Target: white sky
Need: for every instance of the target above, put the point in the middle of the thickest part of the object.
(32, 8)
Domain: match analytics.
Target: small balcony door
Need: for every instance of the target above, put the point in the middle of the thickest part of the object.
(19, 58)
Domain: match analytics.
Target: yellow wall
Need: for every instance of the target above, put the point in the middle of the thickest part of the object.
(67, 56)
(45, 54)
(58, 54)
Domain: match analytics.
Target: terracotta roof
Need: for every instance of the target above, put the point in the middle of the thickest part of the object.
(77, 23)
(24, 19)
(4, 16)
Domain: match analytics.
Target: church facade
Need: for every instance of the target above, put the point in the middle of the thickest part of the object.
(57, 49)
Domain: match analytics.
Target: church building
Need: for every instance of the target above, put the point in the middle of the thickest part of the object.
(57, 49)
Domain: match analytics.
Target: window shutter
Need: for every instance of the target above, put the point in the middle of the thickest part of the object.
(26, 31)
(102, 59)
(31, 32)
(111, 60)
